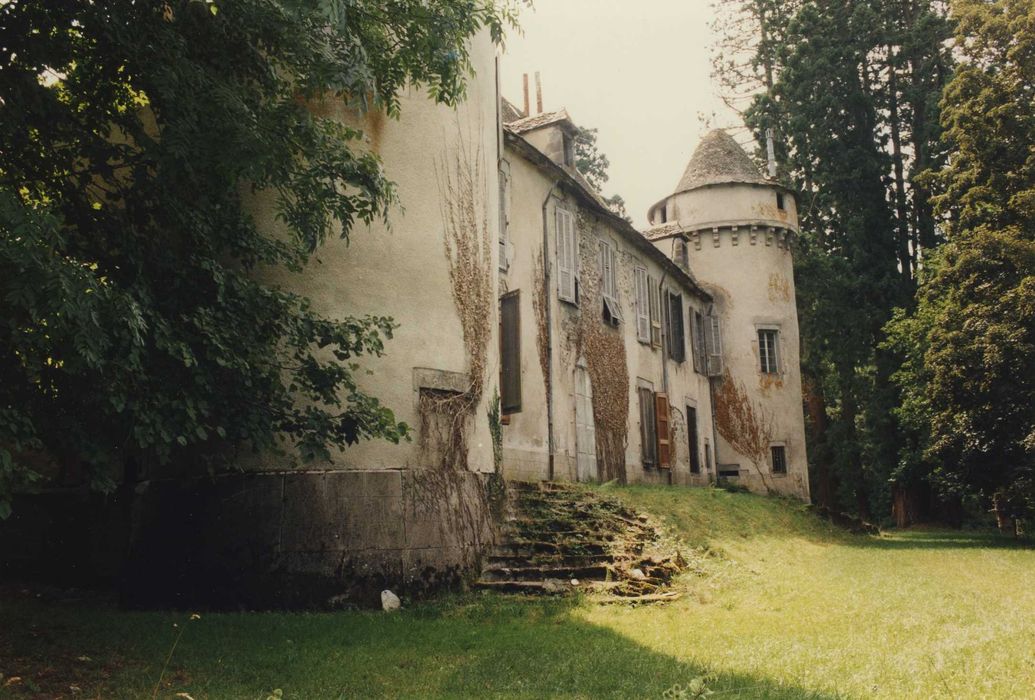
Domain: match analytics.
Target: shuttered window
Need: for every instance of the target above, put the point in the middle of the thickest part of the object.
(768, 352)
(642, 304)
(676, 333)
(697, 342)
(510, 353)
(655, 311)
(664, 430)
(567, 256)
(648, 428)
(609, 283)
(714, 346)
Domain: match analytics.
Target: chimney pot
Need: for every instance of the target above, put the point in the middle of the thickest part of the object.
(538, 94)
(524, 80)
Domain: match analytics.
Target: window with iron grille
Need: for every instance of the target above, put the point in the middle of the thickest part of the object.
(779, 459)
(768, 350)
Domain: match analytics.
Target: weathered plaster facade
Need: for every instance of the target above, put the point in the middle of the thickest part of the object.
(620, 346)
(739, 230)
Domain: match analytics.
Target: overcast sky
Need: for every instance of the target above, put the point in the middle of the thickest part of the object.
(637, 70)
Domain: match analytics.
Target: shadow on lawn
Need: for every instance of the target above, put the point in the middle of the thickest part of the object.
(940, 539)
(470, 647)
(561, 656)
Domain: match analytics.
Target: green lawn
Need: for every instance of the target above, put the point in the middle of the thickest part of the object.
(778, 605)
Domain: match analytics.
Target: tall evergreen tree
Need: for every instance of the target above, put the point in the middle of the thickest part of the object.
(967, 380)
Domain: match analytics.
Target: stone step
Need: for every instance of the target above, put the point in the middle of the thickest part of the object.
(540, 573)
(530, 548)
(534, 587)
(518, 560)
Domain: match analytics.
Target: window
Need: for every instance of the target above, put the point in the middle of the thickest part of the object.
(768, 353)
(779, 201)
(655, 430)
(648, 428)
(663, 214)
(691, 429)
(779, 459)
(609, 283)
(676, 334)
(642, 288)
(567, 257)
(510, 353)
(654, 299)
(714, 345)
(707, 456)
(698, 343)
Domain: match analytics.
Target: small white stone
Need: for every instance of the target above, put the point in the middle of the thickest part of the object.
(637, 574)
(390, 601)
(574, 582)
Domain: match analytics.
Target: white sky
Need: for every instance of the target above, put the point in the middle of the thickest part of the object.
(637, 70)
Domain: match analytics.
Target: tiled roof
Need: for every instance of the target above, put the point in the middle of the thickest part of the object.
(717, 160)
(539, 120)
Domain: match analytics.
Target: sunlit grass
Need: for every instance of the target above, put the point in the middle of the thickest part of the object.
(778, 605)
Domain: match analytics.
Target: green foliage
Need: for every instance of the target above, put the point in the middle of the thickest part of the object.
(968, 388)
(135, 325)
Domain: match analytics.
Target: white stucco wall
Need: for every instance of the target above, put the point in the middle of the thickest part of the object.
(402, 270)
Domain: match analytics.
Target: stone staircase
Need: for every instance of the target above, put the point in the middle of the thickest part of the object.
(559, 538)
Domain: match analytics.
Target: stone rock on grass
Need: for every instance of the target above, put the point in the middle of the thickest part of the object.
(389, 601)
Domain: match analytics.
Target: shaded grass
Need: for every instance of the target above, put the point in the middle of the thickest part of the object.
(780, 604)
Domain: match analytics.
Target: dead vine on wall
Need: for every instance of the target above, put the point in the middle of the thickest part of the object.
(446, 416)
(603, 348)
(539, 301)
(445, 492)
(746, 426)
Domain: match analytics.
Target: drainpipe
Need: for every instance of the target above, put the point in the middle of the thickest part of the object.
(548, 299)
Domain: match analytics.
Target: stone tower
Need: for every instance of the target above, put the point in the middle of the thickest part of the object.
(734, 230)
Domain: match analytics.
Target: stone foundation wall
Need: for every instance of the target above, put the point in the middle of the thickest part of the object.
(261, 540)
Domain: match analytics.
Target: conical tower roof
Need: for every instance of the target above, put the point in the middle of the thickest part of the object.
(718, 160)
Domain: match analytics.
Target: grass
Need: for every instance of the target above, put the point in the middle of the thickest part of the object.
(778, 605)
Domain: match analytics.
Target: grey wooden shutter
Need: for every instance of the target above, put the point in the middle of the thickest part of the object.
(642, 306)
(510, 353)
(714, 342)
(565, 231)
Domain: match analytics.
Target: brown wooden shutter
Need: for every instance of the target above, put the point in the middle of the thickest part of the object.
(661, 418)
(510, 353)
